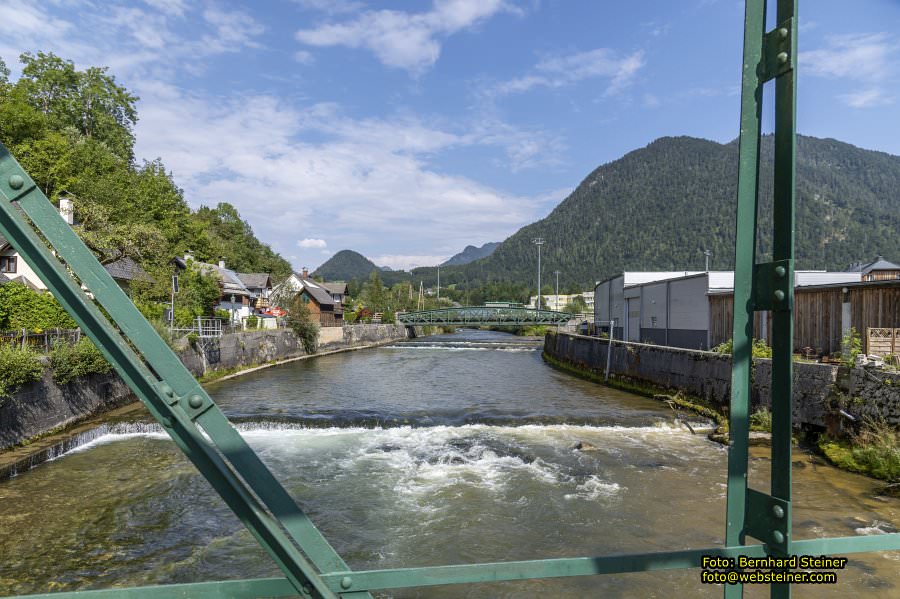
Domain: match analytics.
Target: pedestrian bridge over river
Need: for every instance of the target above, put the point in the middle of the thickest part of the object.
(484, 315)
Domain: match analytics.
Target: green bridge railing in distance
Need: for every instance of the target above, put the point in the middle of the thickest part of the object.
(310, 567)
(484, 315)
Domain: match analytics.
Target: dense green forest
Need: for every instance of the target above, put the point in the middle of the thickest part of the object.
(73, 131)
(658, 207)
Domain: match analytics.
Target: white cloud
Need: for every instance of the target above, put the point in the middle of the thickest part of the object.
(866, 58)
(234, 30)
(175, 8)
(410, 41)
(312, 243)
(331, 7)
(404, 262)
(559, 71)
(304, 57)
(867, 98)
(365, 184)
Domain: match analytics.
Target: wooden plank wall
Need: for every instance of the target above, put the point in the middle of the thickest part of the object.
(817, 315)
(874, 307)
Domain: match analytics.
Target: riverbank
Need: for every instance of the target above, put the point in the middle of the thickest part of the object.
(46, 409)
(848, 416)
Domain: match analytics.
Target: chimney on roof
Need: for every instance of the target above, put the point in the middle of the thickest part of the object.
(221, 263)
(305, 273)
(67, 210)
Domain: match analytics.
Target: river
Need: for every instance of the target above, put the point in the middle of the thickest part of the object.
(446, 449)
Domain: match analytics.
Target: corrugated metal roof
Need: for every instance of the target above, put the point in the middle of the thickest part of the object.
(642, 278)
(806, 278)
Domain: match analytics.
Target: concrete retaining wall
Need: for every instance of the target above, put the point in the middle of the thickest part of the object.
(708, 375)
(44, 406)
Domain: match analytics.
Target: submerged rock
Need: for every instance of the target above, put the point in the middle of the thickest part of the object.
(585, 446)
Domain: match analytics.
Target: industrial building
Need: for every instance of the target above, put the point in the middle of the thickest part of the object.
(694, 309)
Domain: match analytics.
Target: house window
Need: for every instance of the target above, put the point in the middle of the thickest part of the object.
(8, 263)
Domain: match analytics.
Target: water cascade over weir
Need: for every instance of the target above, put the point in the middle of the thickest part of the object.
(308, 564)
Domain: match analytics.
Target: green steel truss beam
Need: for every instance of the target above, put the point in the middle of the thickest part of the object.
(310, 565)
(373, 580)
(483, 315)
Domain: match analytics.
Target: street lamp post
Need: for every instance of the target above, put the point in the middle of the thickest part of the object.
(707, 253)
(556, 272)
(538, 241)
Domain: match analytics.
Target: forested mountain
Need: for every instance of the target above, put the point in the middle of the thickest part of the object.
(656, 208)
(472, 253)
(73, 131)
(346, 265)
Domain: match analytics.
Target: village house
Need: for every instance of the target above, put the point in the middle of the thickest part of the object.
(260, 286)
(321, 300)
(14, 269)
(878, 269)
(235, 298)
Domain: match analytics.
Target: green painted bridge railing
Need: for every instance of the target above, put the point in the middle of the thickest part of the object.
(309, 565)
(483, 315)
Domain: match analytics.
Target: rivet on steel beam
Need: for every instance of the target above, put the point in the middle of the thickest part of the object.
(778, 511)
(782, 57)
(779, 295)
(783, 32)
(166, 422)
(778, 537)
(167, 390)
(16, 181)
(780, 271)
(195, 401)
(346, 582)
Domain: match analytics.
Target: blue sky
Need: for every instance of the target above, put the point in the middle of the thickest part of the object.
(407, 130)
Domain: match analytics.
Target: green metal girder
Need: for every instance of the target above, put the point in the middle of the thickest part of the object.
(311, 566)
(373, 580)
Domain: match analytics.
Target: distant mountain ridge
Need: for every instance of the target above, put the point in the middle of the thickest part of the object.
(472, 253)
(657, 207)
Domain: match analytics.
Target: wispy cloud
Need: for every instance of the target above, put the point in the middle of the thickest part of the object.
(563, 70)
(410, 41)
(869, 59)
(365, 184)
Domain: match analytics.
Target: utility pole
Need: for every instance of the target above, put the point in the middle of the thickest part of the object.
(538, 241)
(707, 253)
(556, 272)
(439, 284)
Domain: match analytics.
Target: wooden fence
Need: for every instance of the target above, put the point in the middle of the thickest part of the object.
(882, 341)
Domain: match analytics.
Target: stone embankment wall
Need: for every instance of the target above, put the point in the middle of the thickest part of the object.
(44, 406)
(707, 375)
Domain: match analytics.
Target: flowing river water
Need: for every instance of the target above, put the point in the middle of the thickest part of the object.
(447, 449)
